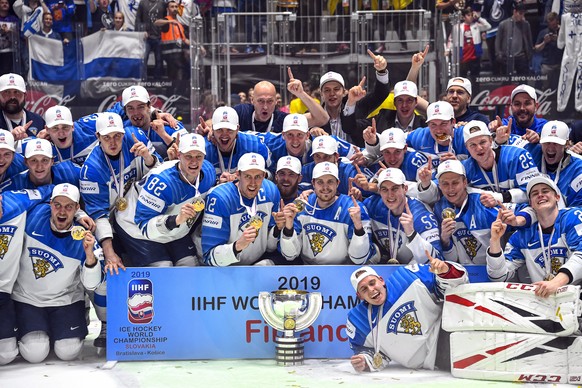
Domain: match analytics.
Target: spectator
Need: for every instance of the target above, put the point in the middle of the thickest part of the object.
(119, 22)
(495, 11)
(63, 12)
(225, 6)
(253, 24)
(148, 11)
(173, 42)
(47, 27)
(513, 45)
(128, 9)
(8, 38)
(551, 54)
(459, 92)
(467, 37)
(101, 16)
(31, 17)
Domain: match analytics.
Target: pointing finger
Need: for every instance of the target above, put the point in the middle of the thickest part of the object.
(290, 73)
(501, 205)
(134, 138)
(373, 125)
(350, 184)
(358, 168)
(371, 54)
(430, 258)
(382, 165)
(425, 51)
(509, 124)
(408, 209)
(28, 124)
(429, 162)
(202, 121)
(281, 205)
(362, 82)
(354, 201)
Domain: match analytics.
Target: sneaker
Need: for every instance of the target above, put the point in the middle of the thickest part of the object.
(101, 340)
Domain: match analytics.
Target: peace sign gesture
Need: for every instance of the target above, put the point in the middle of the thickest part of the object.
(406, 220)
(380, 63)
(356, 214)
(436, 266)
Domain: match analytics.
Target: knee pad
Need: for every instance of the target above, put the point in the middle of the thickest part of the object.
(34, 346)
(8, 350)
(68, 349)
(188, 261)
(163, 263)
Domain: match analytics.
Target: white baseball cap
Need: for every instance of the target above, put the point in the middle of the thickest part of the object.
(225, 117)
(108, 122)
(12, 81)
(394, 175)
(6, 140)
(406, 88)
(38, 147)
(192, 142)
(541, 179)
(451, 165)
(392, 138)
(135, 93)
(440, 110)
(297, 122)
(475, 128)
(331, 76)
(325, 168)
(56, 115)
(66, 190)
(360, 274)
(251, 161)
(325, 144)
(555, 132)
(290, 163)
(462, 82)
(524, 89)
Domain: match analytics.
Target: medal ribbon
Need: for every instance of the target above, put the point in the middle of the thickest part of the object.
(221, 162)
(119, 184)
(375, 329)
(546, 253)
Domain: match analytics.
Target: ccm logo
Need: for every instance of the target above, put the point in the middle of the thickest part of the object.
(540, 378)
(519, 286)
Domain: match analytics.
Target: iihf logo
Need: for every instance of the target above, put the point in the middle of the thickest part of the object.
(111, 121)
(225, 116)
(58, 113)
(11, 80)
(436, 109)
(133, 92)
(140, 301)
(391, 137)
(295, 120)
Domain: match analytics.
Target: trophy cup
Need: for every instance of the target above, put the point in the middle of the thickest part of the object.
(289, 311)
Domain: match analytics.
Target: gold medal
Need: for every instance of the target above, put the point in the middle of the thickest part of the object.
(256, 222)
(289, 324)
(299, 204)
(549, 277)
(198, 204)
(377, 360)
(78, 232)
(448, 213)
(121, 204)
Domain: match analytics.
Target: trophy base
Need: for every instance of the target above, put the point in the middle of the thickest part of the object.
(289, 351)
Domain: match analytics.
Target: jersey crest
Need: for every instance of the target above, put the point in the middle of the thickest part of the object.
(6, 234)
(43, 262)
(245, 220)
(404, 320)
(469, 242)
(557, 254)
(319, 236)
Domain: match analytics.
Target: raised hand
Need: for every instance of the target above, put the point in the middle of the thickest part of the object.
(19, 132)
(279, 216)
(436, 266)
(140, 149)
(354, 191)
(360, 179)
(498, 227)
(380, 63)
(186, 212)
(356, 214)
(406, 220)
(370, 134)
(294, 86)
(356, 93)
(531, 136)
(247, 238)
(425, 174)
(202, 128)
(418, 58)
(487, 199)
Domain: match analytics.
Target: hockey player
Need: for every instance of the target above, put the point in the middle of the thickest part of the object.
(72, 140)
(524, 103)
(550, 248)
(228, 145)
(503, 172)
(56, 265)
(459, 89)
(333, 228)
(11, 163)
(136, 105)
(399, 318)
(41, 168)
(15, 206)
(109, 171)
(287, 178)
(165, 208)
(440, 140)
(554, 160)
(238, 227)
(404, 227)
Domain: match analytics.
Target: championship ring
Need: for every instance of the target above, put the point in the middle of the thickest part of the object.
(198, 204)
(121, 204)
(448, 213)
(377, 360)
(256, 222)
(289, 311)
(78, 232)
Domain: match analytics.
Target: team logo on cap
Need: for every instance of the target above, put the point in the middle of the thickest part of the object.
(43, 262)
(11, 80)
(224, 116)
(38, 146)
(405, 86)
(6, 234)
(295, 120)
(58, 115)
(111, 121)
(404, 320)
(391, 137)
(554, 131)
(474, 129)
(287, 162)
(436, 109)
(320, 144)
(140, 301)
(319, 236)
(133, 92)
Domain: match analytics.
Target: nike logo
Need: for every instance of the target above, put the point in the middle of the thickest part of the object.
(473, 182)
(529, 245)
(74, 328)
(190, 247)
(15, 329)
(36, 234)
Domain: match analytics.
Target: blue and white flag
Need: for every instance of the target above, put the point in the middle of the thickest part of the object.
(54, 64)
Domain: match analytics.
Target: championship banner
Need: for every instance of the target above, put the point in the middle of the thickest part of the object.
(212, 313)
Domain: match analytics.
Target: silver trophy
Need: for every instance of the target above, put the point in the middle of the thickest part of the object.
(289, 311)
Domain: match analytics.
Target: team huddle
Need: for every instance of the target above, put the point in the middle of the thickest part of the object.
(436, 186)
